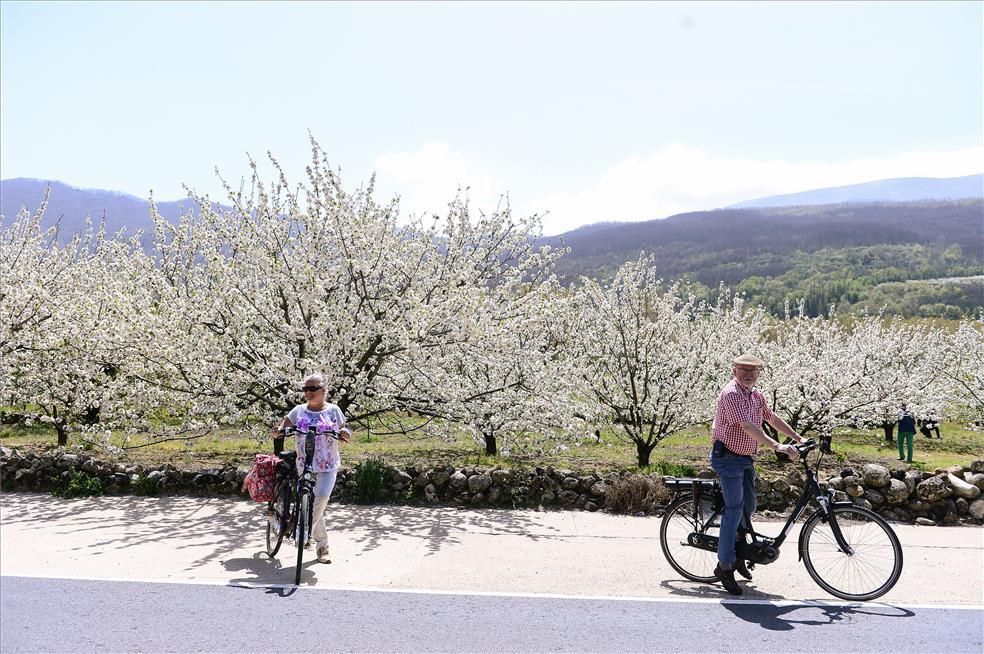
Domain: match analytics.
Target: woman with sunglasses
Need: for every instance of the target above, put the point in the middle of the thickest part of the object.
(326, 417)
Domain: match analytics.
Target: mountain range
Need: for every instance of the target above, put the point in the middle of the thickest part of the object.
(848, 250)
(69, 206)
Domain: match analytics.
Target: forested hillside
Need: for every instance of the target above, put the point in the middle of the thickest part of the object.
(900, 255)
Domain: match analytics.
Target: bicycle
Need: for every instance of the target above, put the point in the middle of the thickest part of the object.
(849, 551)
(292, 507)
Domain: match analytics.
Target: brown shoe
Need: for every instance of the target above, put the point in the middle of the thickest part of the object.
(727, 579)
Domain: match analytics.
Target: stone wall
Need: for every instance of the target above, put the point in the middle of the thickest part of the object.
(947, 497)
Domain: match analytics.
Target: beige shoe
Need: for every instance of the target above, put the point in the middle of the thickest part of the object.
(324, 555)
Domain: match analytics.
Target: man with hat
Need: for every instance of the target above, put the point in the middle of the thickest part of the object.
(736, 434)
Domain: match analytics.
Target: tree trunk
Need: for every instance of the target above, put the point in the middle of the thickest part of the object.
(62, 430)
(490, 445)
(643, 452)
(889, 427)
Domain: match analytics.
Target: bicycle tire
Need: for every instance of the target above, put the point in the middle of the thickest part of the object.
(303, 521)
(277, 519)
(677, 525)
(870, 572)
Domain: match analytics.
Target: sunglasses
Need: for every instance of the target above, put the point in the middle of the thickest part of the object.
(311, 389)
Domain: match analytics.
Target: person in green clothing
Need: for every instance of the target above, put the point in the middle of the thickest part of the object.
(907, 431)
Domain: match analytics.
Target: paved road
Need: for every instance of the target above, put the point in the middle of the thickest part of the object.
(558, 580)
(45, 615)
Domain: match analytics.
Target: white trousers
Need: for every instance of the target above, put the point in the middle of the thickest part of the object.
(322, 493)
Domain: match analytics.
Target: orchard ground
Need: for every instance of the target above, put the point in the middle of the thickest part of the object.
(680, 455)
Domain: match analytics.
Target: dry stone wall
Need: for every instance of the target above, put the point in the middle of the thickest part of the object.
(943, 497)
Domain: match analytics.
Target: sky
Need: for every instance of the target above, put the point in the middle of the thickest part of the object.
(580, 112)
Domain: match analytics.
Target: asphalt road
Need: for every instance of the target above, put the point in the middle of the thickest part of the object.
(53, 615)
(117, 574)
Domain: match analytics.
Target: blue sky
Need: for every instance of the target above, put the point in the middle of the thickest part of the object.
(583, 111)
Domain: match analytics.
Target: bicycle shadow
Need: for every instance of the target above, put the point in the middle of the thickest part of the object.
(781, 617)
(768, 609)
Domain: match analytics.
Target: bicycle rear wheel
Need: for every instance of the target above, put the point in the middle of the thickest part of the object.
(277, 518)
(870, 571)
(674, 532)
(301, 531)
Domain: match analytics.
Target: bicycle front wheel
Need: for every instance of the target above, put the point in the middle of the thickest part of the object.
(277, 519)
(674, 538)
(301, 533)
(869, 571)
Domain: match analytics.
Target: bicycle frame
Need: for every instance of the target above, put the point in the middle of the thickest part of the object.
(811, 490)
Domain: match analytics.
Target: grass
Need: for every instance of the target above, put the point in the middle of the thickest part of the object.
(679, 455)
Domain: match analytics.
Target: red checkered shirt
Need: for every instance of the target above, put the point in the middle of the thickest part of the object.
(734, 405)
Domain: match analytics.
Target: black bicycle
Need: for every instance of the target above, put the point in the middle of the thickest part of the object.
(851, 552)
(292, 508)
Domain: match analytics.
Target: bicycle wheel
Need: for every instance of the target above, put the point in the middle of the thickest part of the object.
(277, 518)
(676, 528)
(870, 571)
(301, 534)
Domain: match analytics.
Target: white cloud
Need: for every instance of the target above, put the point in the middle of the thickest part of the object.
(675, 179)
(678, 178)
(430, 177)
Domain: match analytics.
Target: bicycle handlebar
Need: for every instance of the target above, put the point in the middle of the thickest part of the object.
(310, 431)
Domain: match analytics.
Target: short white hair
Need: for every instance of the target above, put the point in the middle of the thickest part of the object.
(317, 378)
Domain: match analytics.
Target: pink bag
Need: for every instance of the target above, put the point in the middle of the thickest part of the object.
(262, 478)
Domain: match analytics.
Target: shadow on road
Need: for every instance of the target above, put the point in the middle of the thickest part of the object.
(787, 618)
(223, 527)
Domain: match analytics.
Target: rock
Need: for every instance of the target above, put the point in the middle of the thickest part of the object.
(873, 496)
(762, 485)
(547, 497)
(421, 481)
(977, 509)
(458, 480)
(912, 479)
(590, 506)
(795, 477)
(706, 473)
(479, 483)
(501, 477)
(780, 486)
(567, 498)
(854, 490)
(926, 522)
(585, 483)
(897, 493)
(875, 476)
(962, 488)
(957, 470)
(962, 506)
(477, 499)
(977, 465)
(849, 472)
(933, 489)
(860, 501)
(570, 483)
(68, 460)
(837, 483)
(439, 477)
(975, 478)
(430, 494)
(839, 496)
(598, 489)
(890, 515)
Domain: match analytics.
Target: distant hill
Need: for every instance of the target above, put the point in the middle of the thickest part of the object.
(707, 245)
(903, 189)
(69, 206)
(828, 254)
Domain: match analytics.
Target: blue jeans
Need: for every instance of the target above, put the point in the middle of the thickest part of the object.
(737, 474)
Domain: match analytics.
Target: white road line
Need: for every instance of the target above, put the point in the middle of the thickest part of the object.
(609, 598)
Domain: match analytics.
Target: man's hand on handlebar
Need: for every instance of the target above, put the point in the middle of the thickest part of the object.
(789, 450)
